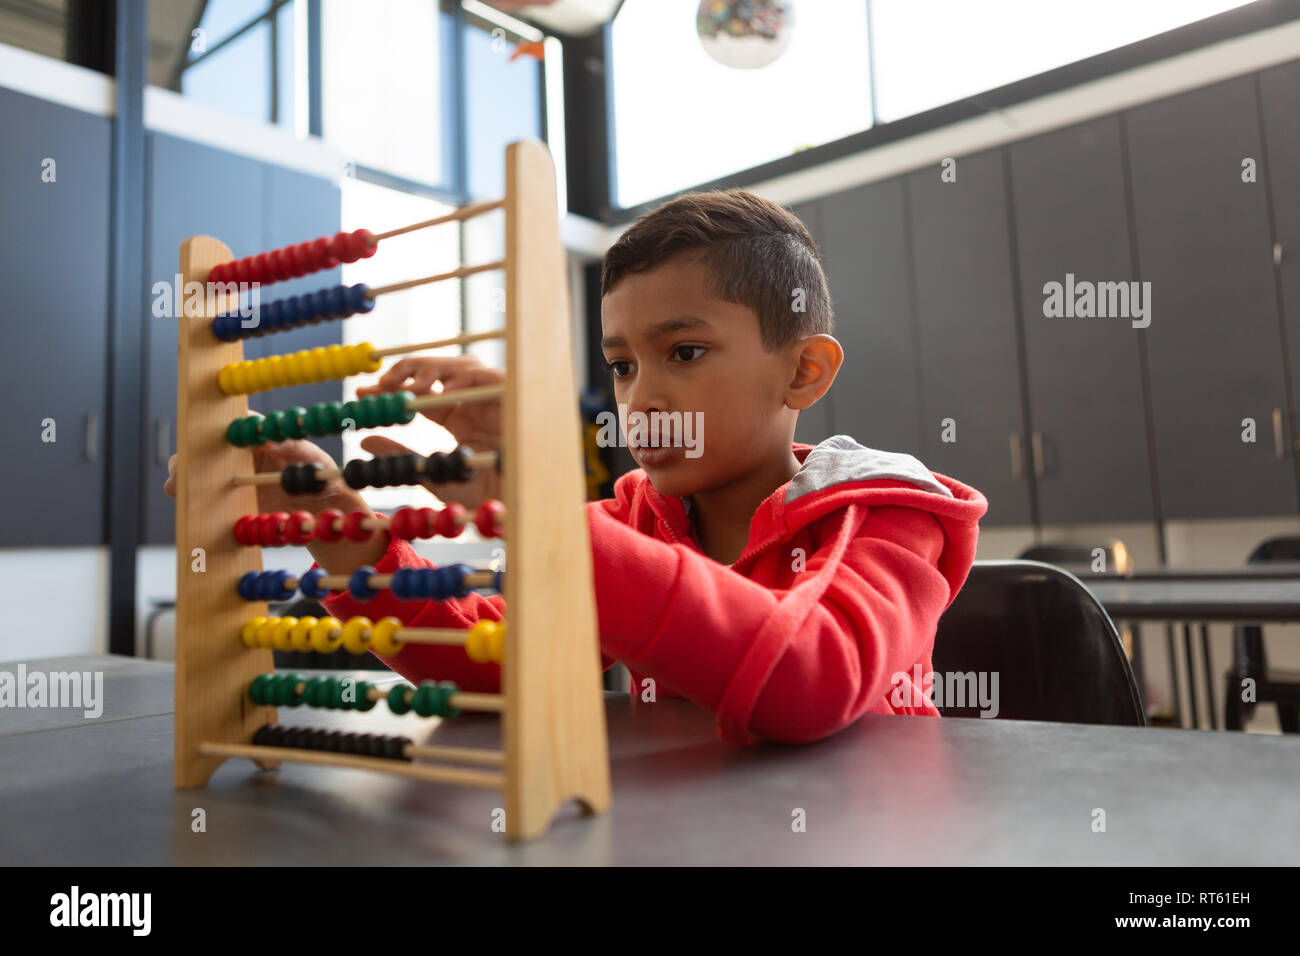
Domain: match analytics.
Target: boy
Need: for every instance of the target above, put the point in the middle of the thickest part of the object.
(786, 588)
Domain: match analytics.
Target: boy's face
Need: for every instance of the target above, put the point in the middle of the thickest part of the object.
(673, 347)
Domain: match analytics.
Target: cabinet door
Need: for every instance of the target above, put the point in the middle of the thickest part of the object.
(965, 308)
(1214, 350)
(300, 207)
(193, 190)
(815, 423)
(1280, 95)
(56, 305)
(1088, 448)
(877, 395)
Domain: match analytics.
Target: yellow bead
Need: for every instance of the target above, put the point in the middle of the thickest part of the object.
(280, 636)
(317, 364)
(497, 642)
(250, 629)
(382, 640)
(486, 642)
(324, 635)
(365, 358)
(224, 379)
(266, 633)
(300, 635)
(356, 635)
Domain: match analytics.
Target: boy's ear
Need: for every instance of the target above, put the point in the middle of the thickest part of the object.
(817, 360)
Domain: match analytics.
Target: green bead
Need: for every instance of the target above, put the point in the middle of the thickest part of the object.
(402, 413)
(235, 433)
(425, 699)
(254, 434)
(273, 426)
(368, 410)
(399, 700)
(332, 417)
(257, 689)
(293, 421)
(332, 693)
(312, 696)
(349, 410)
(289, 696)
(363, 701)
(311, 422)
(445, 708)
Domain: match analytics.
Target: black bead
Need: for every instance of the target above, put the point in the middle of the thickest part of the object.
(461, 470)
(383, 471)
(394, 747)
(355, 474)
(263, 734)
(405, 472)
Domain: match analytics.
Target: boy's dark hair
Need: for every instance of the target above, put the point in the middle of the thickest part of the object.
(758, 253)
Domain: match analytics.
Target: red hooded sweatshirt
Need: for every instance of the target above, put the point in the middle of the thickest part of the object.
(825, 616)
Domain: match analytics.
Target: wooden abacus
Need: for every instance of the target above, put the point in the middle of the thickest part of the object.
(555, 745)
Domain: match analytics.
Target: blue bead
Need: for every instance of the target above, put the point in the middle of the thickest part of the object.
(248, 586)
(359, 300)
(401, 583)
(265, 584)
(499, 581)
(309, 584)
(292, 311)
(339, 301)
(358, 584)
(428, 586)
(320, 305)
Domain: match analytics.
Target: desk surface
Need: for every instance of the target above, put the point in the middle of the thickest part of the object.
(887, 791)
(1198, 600)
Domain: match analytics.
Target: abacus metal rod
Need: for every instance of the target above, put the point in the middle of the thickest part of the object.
(475, 393)
(482, 459)
(467, 211)
(453, 274)
(438, 343)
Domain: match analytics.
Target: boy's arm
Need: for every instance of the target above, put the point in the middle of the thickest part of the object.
(791, 666)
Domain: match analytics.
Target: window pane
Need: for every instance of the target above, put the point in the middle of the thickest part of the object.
(932, 52)
(421, 314)
(223, 17)
(683, 118)
(286, 78)
(236, 78)
(505, 104)
(382, 86)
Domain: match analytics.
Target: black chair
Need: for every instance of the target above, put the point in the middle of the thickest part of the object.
(1279, 687)
(1079, 558)
(1054, 648)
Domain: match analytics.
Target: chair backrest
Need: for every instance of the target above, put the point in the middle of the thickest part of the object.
(1053, 647)
(1079, 557)
(1248, 639)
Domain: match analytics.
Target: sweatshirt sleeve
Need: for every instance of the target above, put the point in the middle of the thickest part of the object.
(787, 665)
(419, 662)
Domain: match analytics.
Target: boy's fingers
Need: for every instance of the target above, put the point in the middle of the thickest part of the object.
(382, 445)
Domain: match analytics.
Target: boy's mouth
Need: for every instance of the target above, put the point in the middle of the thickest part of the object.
(649, 455)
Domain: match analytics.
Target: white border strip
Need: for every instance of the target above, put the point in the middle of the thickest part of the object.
(1102, 97)
(56, 81)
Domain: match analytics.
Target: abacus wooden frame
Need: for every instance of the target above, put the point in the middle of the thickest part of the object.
(554, 721)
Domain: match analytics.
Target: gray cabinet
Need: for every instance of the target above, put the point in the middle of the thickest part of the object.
(1279, 90)
(1204, 244)
(192, 190)
(815, 423)
(1089, 448)
(968, 342)
(877, 395)
(54, 291)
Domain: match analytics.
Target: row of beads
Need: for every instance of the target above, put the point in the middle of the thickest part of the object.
(437, 584)
(484, 641)
(279, 528)
(332, 741)
(406, 469)
(293, 262)
(323, 418)
(301, 368)
(324, 635)
(339, 302)
(429, 699)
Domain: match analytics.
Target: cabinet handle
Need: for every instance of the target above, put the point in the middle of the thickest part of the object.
(1278, 448)
(160, 445)
(1040, 465)
(1017, 457)
(90, 451)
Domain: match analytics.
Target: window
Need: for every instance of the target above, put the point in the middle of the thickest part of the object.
(931, 52)
(682, 118)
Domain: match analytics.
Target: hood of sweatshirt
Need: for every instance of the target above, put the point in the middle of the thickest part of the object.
(834, 474)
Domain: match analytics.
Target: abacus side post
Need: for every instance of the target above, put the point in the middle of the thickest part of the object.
(213, 668)
(556, 744)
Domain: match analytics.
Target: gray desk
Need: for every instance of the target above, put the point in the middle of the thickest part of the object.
(887, 791)
(1207, 599)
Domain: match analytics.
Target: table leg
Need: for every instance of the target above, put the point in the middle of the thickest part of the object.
(1174, 687)
(1209, 675)
(1191, 676)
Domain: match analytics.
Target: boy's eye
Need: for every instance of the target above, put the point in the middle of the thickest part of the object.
(684, 353)
(618, 368)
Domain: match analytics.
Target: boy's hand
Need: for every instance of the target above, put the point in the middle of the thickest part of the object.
(476, 424)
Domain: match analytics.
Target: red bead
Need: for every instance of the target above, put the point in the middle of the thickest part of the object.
(428, 521)
(275, 527)
(368, 245)
(451, 521)
(296, 528)
(216, 272)
(352, 529)
(328, 525)
(244, 526)
(488, 518)
(400, 524)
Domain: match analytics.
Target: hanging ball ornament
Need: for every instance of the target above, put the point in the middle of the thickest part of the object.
(745, 34)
